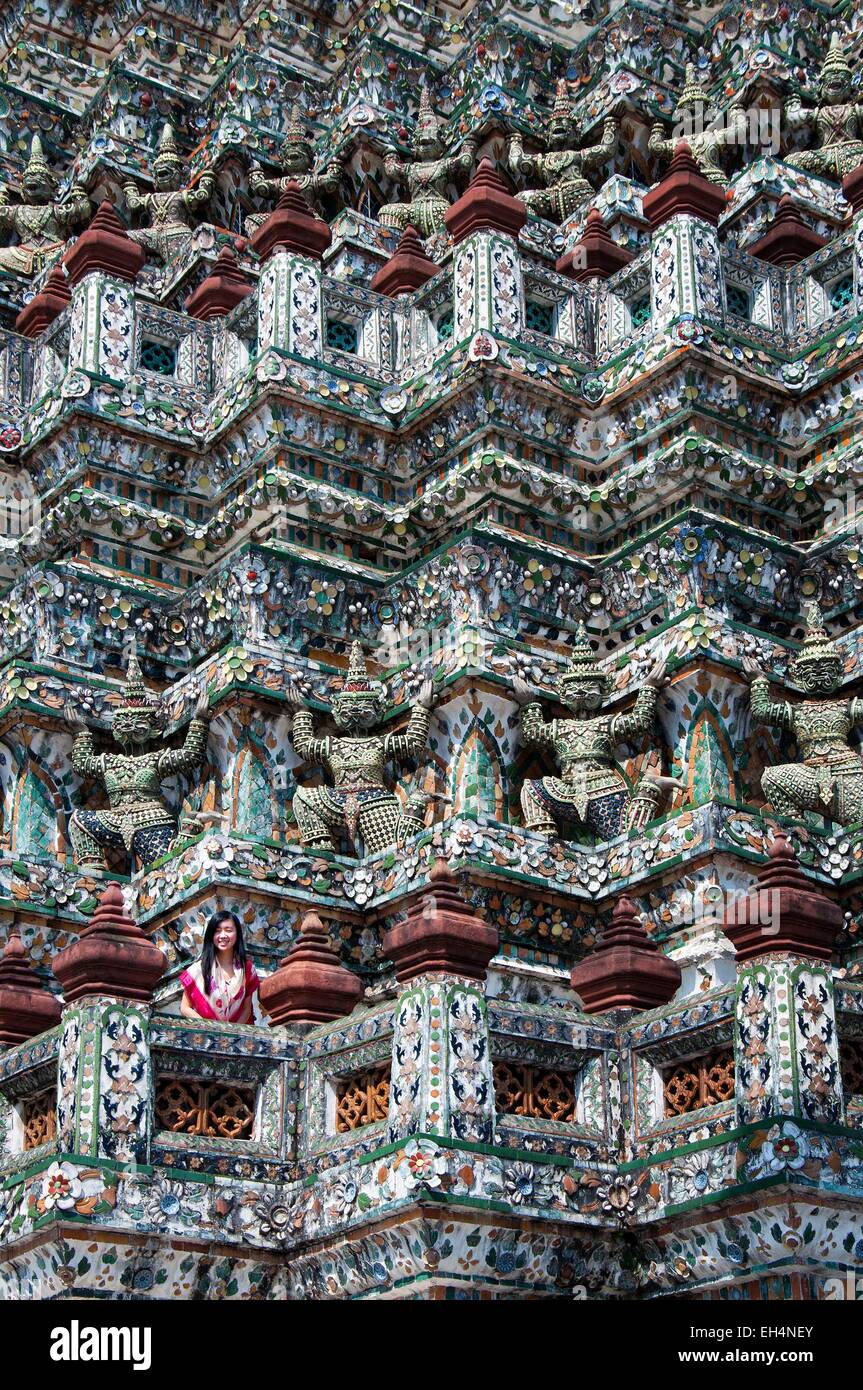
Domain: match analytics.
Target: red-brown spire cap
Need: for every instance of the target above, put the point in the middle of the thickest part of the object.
(407, 268)
(27, 1008)
(783, 912)
(852, 187)
(105, 246)
(292, 226)
(45, 306)
(486, 206)
(224, 288)
(441, 933)
(111, 956)
(683, 189)
(596, 254)
(311, 985)
(626, 970)
(788, 239)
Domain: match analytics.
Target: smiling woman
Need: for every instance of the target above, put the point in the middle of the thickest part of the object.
(222, 984)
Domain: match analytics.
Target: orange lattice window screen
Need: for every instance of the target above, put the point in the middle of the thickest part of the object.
(699, 1081)
(851, 1058)
(535, 1091)
(189, 1107)
(39, 1116)
(362, 1098)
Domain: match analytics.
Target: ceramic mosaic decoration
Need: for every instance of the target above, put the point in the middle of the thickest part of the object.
(430, 530)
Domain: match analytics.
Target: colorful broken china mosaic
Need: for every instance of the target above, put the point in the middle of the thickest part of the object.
(431, 530)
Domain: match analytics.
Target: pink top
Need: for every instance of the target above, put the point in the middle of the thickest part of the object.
(225, 1006)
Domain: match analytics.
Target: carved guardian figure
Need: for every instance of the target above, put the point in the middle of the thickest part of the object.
(829, 779)
(171, 206)
(40, 222)
(359, 800)
(837, 119)
(137, 816)
(426, 177)
(296, 156)
(591, 790)
(706, 139)
(561, 170)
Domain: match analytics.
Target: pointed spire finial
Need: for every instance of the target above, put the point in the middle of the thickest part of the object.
(358, 674)
(427, 121)
(37, 166)
(168, 156)
(835, 59)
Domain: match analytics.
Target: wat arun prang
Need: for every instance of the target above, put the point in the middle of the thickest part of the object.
(431, 609)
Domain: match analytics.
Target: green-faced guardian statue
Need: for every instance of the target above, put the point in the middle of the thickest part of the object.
(137, 817)
(591, 790)
(359, 799)
(829, 779)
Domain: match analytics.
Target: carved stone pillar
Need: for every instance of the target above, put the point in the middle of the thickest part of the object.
(786, 1046)
(441, 1081)
(102, 267)
(683, 210)
(103, 1095)
(484, 224)
(291, 244)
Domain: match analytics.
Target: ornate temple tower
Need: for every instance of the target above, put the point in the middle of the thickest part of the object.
(431, 680)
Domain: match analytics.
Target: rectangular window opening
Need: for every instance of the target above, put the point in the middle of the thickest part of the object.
(363, 1098)
(218, 1109)
(158, 357)
(699, 1081)
(546, 1093)
(342, 335)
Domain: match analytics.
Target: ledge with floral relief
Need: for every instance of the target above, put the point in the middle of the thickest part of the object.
(390, 1179)
(477, 1185)
(479, 1254)
(63, 1187)
(212, 1039)
(783, 1236)
(96, 1264)
(557, 1022)
(186, 418)
(386, 1183)
(488, 1252)
(745, 1158)
(668, 1135)
(495, 854)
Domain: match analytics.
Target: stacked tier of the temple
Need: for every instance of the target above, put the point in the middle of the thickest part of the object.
(429, 452)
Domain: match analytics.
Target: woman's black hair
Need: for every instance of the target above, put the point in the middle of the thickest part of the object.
(208, 955)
